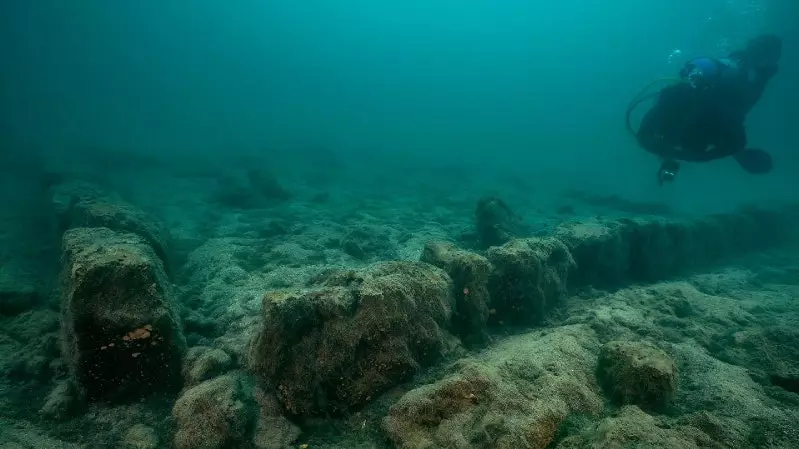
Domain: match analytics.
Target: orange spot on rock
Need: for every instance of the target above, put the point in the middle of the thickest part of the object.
(139, 334)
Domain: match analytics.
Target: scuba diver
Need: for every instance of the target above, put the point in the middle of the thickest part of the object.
(701, 117)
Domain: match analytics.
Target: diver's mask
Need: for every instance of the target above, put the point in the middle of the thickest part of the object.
(705, 73)
(699, 72)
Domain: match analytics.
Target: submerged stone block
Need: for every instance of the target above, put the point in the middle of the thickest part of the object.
(218, 413)
(529, 278)
(635, 373)
(351, 335)
(601, 251)
(496, 223)
(612, 253)
(470, 274)
(121, 335)
(86, 205)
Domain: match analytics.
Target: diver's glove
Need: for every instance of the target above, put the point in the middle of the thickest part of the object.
(668, 171)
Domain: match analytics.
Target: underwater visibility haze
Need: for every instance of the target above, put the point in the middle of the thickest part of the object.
(421, 224)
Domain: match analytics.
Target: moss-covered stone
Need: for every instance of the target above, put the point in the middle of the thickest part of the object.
(80, 205)
(515, 395)
(121, 334)
(216, 414)
(632, 428)
(203, 363)
(638, 374)
(352, 335)
(612, 253)
(470, 274)
(529, 279)
(496, 223)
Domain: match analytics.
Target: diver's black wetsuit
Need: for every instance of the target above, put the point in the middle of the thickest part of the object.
(700, 123)
(684, 126)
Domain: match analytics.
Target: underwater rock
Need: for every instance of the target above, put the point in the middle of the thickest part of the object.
(639, 374)
(123, 217)
(266, 185)
(197, 323)
(84, 205)
(71, 191)
(497, 223)
(610, 253)
(618, 203)
(515, 395)
(724, 430)
(31, 346)
(470, 274)
(15, 300)
(530, 278)
(203, 363)
(19, 434)
(139, 437)
(788, 382)
(351, 335)
(273, 430)
(369, 243)
(61, 402)
(600, 250)
(120, 333)
(631, 427)
(216, 414)
(750, 416)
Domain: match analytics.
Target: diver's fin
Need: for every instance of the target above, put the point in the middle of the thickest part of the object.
(753, 161)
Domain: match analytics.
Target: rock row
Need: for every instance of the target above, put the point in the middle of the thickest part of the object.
(331, 346)
(335, 344)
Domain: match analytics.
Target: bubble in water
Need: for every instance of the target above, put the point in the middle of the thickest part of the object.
(675, 54)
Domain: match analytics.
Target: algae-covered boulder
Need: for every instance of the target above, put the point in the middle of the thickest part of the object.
(61, 402)
(351, 335)
(120, 330)
(216, 414)
(273, 431)
(497, 223)
(601, 251)
(637, 373)
(203, 363)
(139, 436)
(369, 243)
(610, 253)
(633, 428)
(86, 205)
(470, 274)
(515, 395)
(617, 203)
(19, 434)
(529, 278)
(124, 217)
